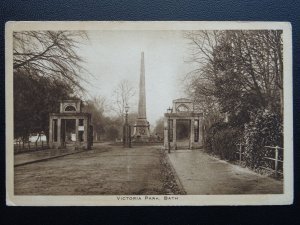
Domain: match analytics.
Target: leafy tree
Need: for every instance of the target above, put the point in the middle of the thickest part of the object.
(264, 129)
(33, 100)
(222, 139)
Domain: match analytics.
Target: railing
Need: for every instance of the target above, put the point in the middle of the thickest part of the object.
(278, 158)
(21, 146)
(240, 153)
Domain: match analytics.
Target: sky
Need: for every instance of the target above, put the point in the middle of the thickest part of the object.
(112, 56)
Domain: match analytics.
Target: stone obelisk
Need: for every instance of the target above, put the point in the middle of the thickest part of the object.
(141, 131)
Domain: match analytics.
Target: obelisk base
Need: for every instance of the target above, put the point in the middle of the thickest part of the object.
(141, 132)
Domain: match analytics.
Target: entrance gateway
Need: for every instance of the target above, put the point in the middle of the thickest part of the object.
(70, 128)
(183, 126)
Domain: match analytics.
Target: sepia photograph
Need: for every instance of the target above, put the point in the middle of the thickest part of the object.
(149, 113)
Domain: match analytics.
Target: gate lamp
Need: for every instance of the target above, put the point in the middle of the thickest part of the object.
(169, 110)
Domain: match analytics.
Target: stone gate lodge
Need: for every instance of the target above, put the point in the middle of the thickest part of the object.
(183, 126)
(70, 128)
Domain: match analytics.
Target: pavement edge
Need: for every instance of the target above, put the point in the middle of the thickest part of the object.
(177, 179)
(46, 159)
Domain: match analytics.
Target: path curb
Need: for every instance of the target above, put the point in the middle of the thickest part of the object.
(177, 179)
(46, 159)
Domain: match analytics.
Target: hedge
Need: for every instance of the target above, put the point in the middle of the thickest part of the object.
(222, 139)
(264, 129)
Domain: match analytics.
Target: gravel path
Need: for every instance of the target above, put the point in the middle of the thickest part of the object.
(106, 170)
(202, 174)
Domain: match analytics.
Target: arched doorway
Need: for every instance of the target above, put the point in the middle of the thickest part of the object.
(183, 126)
(183, 133)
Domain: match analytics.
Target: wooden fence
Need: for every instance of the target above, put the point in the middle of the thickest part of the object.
(21, 146)
(276, 160)
(275, 165)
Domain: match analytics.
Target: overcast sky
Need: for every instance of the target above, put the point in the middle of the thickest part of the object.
(112, 56)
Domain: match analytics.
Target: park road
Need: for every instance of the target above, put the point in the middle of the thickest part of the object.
(105, 170)
(141, 170)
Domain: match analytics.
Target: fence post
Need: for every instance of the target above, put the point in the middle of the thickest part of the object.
(42, 145)
(36, 145)
(276, 161)
(29, 145)
(240, 154)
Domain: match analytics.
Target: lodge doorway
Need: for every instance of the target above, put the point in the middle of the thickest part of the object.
(70, 127)
(68, 132)
(183, 133)
(183, 125)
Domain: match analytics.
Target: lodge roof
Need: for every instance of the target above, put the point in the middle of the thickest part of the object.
(182, 100)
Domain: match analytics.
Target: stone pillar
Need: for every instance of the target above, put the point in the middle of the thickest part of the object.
(166, 132)
(192, 136)
(76, 130)
(50, 132)
(174, 134)
(201, 132)
(58, 132)
(85, 132)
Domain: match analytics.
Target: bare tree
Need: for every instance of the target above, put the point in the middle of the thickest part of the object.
(49, 54)
(47, 67)
(241, 70)
(123, 95)
(199, 83)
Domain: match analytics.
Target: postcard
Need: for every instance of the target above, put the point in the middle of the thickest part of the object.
(148, 113)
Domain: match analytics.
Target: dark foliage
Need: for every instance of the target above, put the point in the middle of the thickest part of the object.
(34, 99)
(222, 139)
(241, 72)
(264, 129)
